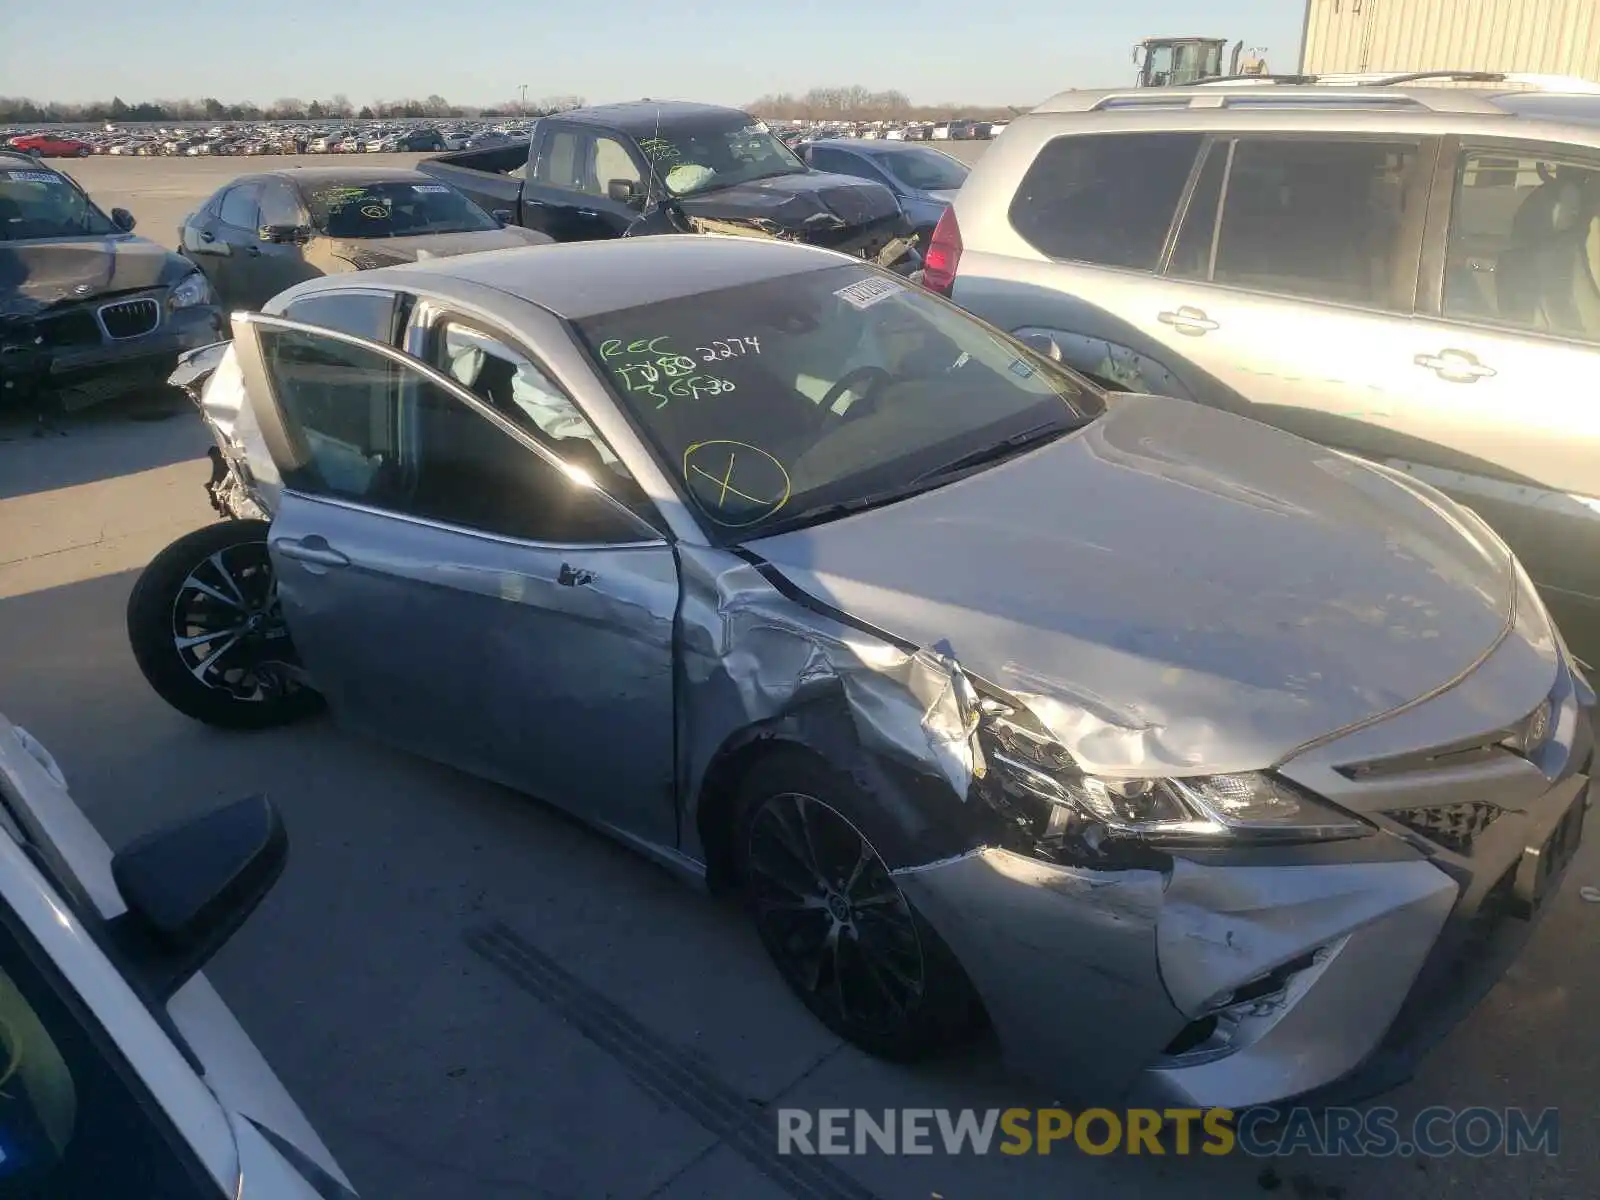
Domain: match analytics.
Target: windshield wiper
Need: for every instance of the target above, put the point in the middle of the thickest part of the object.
(1035, 435)
(817, 514)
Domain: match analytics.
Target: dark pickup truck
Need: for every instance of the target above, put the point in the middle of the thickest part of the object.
(624, 170)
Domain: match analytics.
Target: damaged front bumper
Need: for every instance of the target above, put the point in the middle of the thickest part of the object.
(1226, 980)
(70, 355)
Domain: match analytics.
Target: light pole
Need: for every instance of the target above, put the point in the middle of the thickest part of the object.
(522, 105)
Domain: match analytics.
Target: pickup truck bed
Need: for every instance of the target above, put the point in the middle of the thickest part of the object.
(492, 178)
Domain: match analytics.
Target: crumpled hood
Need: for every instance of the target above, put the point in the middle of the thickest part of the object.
(36, 274)
(799, 201)
(372, 253)
(942, 195)
(1175, 588)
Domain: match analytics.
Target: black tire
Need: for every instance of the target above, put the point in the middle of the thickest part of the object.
(880, 943)
(82, 152)
(181, 595)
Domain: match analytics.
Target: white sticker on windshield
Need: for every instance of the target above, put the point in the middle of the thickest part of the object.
(36, 177)
(867, 292)
(429, 187)
(756, 127)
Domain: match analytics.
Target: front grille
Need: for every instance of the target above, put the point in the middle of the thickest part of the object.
(1453, 826)
(130, 318)
(61, 331)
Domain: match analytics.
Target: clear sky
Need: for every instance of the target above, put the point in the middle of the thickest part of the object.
(719, 51)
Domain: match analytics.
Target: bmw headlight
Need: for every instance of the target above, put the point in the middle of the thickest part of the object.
(189, 291)
(1032, 779)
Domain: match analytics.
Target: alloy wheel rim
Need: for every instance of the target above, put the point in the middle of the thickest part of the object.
(832, 912)
(227, 625)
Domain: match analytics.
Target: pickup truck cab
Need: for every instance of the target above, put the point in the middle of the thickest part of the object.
(644, 167)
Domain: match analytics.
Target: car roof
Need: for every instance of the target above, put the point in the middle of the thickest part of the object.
(21, 158)
(641, 117)
(1516, 96)
(311, 176)
(576, 280)
(876, 144)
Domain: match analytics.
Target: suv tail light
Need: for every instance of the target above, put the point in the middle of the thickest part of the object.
(943, 255)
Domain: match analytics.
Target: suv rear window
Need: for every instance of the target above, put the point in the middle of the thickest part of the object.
(1105, 198)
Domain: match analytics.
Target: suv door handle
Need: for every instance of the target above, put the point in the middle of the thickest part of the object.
(208, 236)
(313, 550)
(587, 212)
(1192, 321)
(1455, 366)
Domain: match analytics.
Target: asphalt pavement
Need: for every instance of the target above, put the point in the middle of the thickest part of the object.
(472, 995)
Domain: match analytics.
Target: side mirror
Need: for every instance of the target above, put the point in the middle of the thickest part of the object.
(280, 234)
(625, 191)
(123, 219)
(504, 216)
(189, 886)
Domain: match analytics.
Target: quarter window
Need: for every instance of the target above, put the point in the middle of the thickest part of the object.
(1326, 220)
(363, 427)
(1107, 199)
(1524, 246)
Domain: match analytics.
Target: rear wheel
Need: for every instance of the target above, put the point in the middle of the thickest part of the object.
(208, 633)
(845, 937)
(81, 152)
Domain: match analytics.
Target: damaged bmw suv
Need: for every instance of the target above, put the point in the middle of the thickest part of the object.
(88, 310)
(1190, 754)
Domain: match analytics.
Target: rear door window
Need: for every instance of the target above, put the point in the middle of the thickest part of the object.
(1319, 218)
(1524, 242)
(1106, 199)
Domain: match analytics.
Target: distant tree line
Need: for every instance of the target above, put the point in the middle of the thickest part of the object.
(857, 103)
(19, 111)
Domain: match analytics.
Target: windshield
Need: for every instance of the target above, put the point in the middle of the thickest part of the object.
(393, 209)
(44, 204)
(923, 169)
(827, 387)
(704, 157)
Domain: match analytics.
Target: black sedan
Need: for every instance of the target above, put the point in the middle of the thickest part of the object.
(263, 233)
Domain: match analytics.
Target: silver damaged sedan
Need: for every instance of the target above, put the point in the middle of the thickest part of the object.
(1209, 765)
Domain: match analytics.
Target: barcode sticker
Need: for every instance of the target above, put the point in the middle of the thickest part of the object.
(429, 187)
(36, 177)
(864, 293)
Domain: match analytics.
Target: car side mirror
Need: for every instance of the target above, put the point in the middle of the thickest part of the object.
(280, 234)
(123, 219)
(625, 191)
(503, 216)
(190, 886)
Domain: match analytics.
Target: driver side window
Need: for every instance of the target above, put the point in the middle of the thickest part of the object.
(365, 427)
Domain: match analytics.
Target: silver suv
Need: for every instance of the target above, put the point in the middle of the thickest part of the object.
(1403, 270)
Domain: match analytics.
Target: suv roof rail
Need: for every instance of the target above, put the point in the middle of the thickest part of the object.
(1437, 100)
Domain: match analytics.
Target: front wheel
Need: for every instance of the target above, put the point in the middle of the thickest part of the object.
(82, 152)
(208, 633)
(846, 939)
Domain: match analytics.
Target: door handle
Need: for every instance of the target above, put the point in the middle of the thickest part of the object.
(570, 577)
(587, 212)
(1192, 321)
(208, 236)
(1455, 366)
(315, 551)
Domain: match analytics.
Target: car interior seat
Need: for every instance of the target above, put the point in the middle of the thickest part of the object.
(1547, 275)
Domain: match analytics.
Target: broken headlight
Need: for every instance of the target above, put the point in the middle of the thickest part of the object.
(1033, 780)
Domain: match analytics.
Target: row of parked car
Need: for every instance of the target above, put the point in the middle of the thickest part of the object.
(1136, 654)
(271, 138)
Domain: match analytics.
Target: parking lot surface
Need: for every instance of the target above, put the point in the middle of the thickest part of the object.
(472, 995)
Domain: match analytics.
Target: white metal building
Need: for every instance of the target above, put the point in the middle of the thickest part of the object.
(1554, 37)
